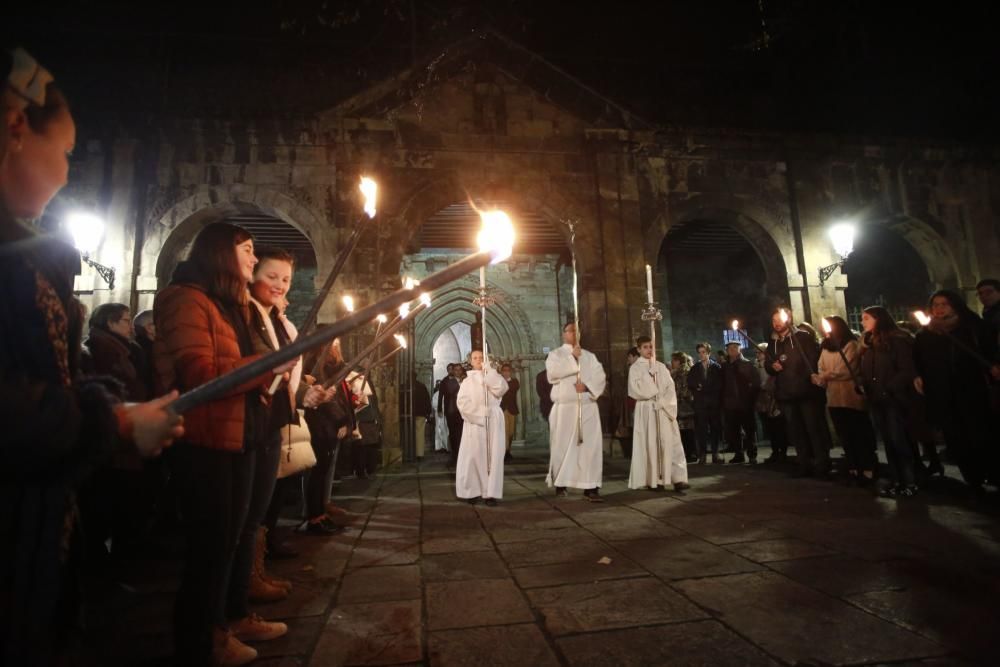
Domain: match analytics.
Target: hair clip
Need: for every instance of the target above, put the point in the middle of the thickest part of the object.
(28, 79)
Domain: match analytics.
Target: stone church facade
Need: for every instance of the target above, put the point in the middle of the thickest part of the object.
(491, 121)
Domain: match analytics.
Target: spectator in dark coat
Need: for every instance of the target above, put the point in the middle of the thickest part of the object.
(705, 383)
(794, 358)
(448, 406)
(740, 384)
(544, 391)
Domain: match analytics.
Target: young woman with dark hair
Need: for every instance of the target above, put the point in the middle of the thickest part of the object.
(57, 427)
(836, 373)
(887, 375)
(203, 330)
(957, 385)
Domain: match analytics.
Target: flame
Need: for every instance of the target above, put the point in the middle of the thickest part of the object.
(425, 299)
(736, 325)
(826, 326)
(404, 310)
(783, 314)
(349, 303)
(497, 235)
(401, 339)
(369, 188)
(410, 283)
(922, 318)
(382, 319)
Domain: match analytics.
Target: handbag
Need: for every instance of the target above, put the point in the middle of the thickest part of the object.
(296, 449)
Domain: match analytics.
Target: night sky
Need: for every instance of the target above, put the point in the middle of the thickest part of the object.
(884, 68)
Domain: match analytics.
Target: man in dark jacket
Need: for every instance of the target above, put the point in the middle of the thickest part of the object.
(509, 406)
(448, 405)
(544, 391)
(794, 357)
(705, 383)
(740, 385)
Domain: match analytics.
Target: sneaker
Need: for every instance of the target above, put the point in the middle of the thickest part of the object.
(738, 459)
(253, 628)
(322, 528)
(681, 486)
(908, 491)
(717, 460)
(227, 650)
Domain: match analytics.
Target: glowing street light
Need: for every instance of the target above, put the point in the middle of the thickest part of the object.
(87, 231)
(842, 237)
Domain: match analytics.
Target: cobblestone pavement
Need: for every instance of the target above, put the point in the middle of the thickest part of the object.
(749, 567)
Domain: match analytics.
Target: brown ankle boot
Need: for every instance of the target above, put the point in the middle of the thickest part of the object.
(227, 650)
(258, 564)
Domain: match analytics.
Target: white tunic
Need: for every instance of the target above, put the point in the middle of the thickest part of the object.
(571, 464)
(657, 458)
(479, 470)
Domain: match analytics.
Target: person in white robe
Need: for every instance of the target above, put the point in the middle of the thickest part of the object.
(577, 380)
(479, 471)
(657, 451)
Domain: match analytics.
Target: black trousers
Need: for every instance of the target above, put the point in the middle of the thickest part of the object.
(690, 443)
(455, 425)
(741, 432)
(214, 488)
(857, 437)
(775, 431)
(808, 432)
(708, 429)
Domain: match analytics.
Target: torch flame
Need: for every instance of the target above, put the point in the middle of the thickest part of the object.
(369, 188)
(382, 319)
(404, 310)
(783, 314)
(400, 339)
(410, 283)
(496, 236)
(425, 299)
(922, 318)
(826, 326)
(736, 325)
(349, 303)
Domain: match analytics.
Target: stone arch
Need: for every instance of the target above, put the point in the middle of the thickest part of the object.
(171, 231)
(537, 194)
(938, 258)
(766, 231)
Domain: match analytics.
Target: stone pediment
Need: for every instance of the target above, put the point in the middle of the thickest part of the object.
(484, 85)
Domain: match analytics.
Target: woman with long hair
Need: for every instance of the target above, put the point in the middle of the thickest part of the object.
(887, 375)
(57, 426)
(203, 326)
(957, 385)
(838, 363)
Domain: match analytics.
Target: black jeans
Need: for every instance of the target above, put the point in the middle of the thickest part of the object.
(265, 474)
(282, 490)
(807, 431)
(775, 430)
(689, 442)
(741, 432)
(854, 430)
(320, 478)
(890, 420)
(455, 425)
(708, 426)
(214, 488)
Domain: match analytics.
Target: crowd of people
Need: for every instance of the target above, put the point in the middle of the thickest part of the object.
(912, 389)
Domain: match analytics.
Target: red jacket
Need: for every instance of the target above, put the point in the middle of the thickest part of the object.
(194, 344)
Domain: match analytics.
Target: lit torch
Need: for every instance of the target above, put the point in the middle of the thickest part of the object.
(369, 190)
(743, 334)
(400, 345)
(348, 303)
(925, 321)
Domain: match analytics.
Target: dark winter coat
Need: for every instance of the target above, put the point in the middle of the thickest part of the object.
(706, 385)
(950, 374)
(799, 357)
(421, 400)
(327, 418)
(740, 385)
(887, 369)
(107, 353)
(448, 396)
(544, 391)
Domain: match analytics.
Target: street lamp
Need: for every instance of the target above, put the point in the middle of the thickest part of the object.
(87, 231)
(842, 236)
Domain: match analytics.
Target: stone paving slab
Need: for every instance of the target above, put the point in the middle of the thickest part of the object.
(684, 557)
(380, 584)
(374, 553)
(499, 646)
(463, 565)
(469, 539)
(606, 605)
(378, 633)
(555, 550)
(797, 624)
(843, 576)
(694, 644)
(767, 551)
(722, 529)
(577, 572)
(466, 604)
